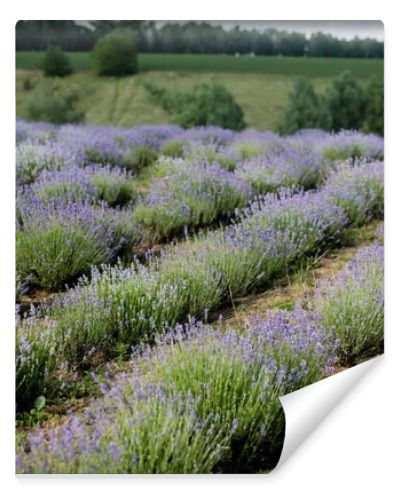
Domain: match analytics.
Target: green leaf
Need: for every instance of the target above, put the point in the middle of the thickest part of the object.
(39, 403)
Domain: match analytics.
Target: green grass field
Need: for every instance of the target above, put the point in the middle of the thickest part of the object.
(271, 65)
(260, 84)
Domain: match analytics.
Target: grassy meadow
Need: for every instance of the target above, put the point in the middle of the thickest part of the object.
(259, 84)
(210, 63)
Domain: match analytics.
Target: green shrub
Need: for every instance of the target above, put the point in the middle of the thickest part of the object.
(374, 112)
(305, 109)
(27, 83)
(344, 106)
(115, 55)
(55, 103)
(346, 103)
(204, 104)
(56, 63)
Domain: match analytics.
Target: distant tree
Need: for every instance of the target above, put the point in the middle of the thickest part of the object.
(170, 38)
(53, 101)
(115, 55)
(210, 104)
(346, 103)
(238, 40)
(56, 63)
(305, 109)
(39, 35)
(204, 104)
(192, 37)
(140, 30)
(262, 44)
(372, 48)
(323, 45)
(288, 44)
(374, 111)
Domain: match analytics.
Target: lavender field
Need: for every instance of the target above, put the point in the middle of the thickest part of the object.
(133, 249)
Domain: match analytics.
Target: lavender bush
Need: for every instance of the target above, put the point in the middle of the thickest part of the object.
(290, 167)
(270, 235)
(351, 144)
(129, 305)
(204, 144)
(358, 189)
(225, 156)
(65, 226)
(32, 159)
(310, 218)
(136, 430)
(208, 404)
(35, 132)
(35, 362)
(191, 195)
(209, 135)
(351, 305)
(131, 148)
(92, 183)
(251, 143)
(58, 241)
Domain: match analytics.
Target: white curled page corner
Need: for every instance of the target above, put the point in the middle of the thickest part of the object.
(306, 408)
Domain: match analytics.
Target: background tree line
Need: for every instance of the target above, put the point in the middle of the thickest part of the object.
(344, 105)
(192, 37)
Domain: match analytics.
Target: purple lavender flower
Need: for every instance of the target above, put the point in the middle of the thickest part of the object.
(189, 417)
(351, 144)
(352, 305)
(358, 188)
(61, 236)
(93, 183)
(191, 194)
(290, 167)
(33, 158)
(35, 132)
(59, 240)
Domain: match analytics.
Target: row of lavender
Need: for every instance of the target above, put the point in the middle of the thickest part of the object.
(82, 144)
(206, 399)
(79, 203)
(119, 307)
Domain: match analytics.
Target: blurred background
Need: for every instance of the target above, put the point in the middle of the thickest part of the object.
(268, 75)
